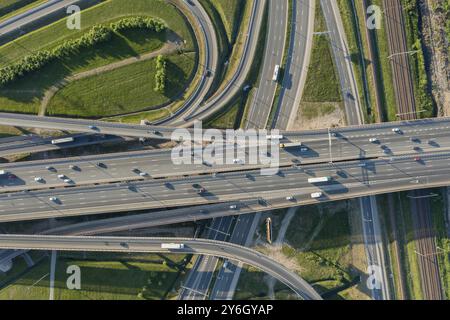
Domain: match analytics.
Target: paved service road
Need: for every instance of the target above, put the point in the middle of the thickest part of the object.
(194, 246)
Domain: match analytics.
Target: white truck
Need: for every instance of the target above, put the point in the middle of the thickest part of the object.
(62, 140)
(276, 72)
(319, 180)
(172, 246)
(290, 144)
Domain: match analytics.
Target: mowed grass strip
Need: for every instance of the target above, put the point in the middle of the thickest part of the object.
(124, 90)
(110, 10)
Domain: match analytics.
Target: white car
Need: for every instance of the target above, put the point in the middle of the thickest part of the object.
(67, 180)
(238, 161)
(53, 199)
(396, 130)
(38, 179)
(233, 207)
(316, 195)
(373, 140)
(289, 198)
(143, 174)
(61, 176)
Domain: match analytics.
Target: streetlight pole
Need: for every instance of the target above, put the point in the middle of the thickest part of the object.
(329, 145)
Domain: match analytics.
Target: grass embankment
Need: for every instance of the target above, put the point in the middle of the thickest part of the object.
(24, 95)
(124, 90)
(353, 19)
(103, 277)
(321, 93)
(230, 12)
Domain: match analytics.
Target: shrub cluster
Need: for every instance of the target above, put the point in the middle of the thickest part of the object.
(97, 34)
(160, 75)
(138, 23)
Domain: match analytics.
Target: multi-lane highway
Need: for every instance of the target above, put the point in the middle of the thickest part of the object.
(275, 41)
(193, 246)
(34, 143)
(22, 20)
(349, 180)
(302, 28)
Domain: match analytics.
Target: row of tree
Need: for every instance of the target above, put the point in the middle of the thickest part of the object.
(160, 75)
(97, 34)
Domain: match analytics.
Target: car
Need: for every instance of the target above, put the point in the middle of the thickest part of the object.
(61, 176)
(74, 167)
(208, 73)
(233, 207)
(124, 245)
(289, 198)
(101, 165)
(203, 211)
(333, 134)
(54, 199)
(136, 170)
(415, 139)
(50, 168)
(93, 128)
(198, 188)
(417, 159)
(238, 161)
(417, 149)
(396, 130)
(67, 180)
(374, 140)
(143, 174)
(38, 179)
(316, 195)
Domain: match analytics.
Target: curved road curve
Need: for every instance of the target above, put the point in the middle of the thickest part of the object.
(143, 244)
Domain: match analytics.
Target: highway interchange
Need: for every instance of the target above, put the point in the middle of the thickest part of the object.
(415, 156)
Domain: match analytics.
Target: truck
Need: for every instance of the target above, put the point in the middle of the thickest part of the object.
(172, 246)
(319, 180)
(276, 72)
(62, 140)
(290, 144)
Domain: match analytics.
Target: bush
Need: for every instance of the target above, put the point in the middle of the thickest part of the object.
(97, 34)
(160, 75)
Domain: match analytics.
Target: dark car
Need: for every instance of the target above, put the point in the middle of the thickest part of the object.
(102, 165)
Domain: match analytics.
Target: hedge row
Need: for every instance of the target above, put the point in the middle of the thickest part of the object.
(160, 75)
(97, 34)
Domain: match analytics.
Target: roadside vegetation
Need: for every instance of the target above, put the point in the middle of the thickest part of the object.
(128, 37)
(422, 85)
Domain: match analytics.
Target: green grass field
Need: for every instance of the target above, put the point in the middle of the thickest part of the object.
(328, 257)
(105, 12)
(124, 90)
(104, 277)
(25, 94)
(321, 84)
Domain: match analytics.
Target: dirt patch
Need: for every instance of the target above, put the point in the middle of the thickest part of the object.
(312, 115)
